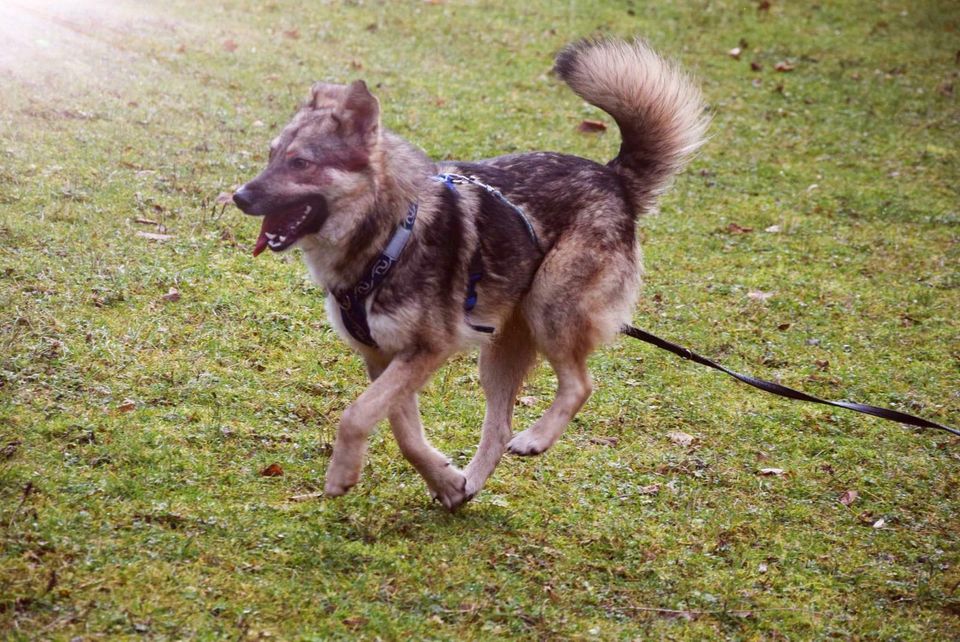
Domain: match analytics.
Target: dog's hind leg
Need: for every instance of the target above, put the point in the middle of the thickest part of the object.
(503, 365)
(573, 390)
(395, 386)
(581, 296)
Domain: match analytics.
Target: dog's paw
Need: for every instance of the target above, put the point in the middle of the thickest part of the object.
(528, 443)
(338, 483)
(450, 489)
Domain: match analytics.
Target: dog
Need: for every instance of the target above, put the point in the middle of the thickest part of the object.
(520, 255)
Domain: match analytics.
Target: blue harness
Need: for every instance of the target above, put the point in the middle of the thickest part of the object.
(352, 302)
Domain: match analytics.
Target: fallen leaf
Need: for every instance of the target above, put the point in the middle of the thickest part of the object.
(945, 89)
(822, 364)
(529, 402)
(763, 5)
(306, 497)
(230, 45)
(153, 236)
(293, 34)
(680, 438)
(144, 221)
(182, 49)
(10, 449)
(354, 622)
(735, 53)
(759, 295)
(879, 523)
(172, 295)
(225, 198)
(652, 489)
(273, 470)
(848, 497)
(127, 405)
(763, 567)
(784, 326)
(734, 228)
(771, 472)
(604, 441)
(783, 66)
(773, 229)
(591, 126)
(756, 66)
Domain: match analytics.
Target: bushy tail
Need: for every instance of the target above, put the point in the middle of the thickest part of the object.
(660, 112)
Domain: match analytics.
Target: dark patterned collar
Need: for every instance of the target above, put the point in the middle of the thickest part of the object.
(352, 301)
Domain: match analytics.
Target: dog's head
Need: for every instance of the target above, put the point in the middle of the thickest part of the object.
(320, 158)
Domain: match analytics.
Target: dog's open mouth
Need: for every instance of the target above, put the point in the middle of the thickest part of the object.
(282, 229)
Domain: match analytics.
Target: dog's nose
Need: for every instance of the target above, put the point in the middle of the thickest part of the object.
(242, 199)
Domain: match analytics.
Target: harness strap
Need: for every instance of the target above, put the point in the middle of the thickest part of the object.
(352, 302)
(452, 180)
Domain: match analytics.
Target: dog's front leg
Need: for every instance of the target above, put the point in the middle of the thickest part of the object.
(399, 380)
(447, 484)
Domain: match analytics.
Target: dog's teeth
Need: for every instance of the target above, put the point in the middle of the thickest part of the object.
(270, 236)
(307, 209)
(283, 239)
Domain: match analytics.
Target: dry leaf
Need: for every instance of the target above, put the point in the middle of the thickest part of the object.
(604, 441)
(153, 236)
(759, 295)
(822, 364)
(735, 53)
(591, 126)
(763, 5)
(771, 472)
(172, 295)
(784, 326)
(273, 470)
(293, 34)
(127, 405)
(529, 402)
(763, 567)
(773, 229)
(756, 66)
(783, 66)
(879, 523)
(848, 497)
(225, 198)
(734, 228)
(230, 45)
(680, 438)
(652, 489)
(354, 622)
(306, 497)
(144, 221)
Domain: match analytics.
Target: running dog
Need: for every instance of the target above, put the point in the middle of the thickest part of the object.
(520, 255)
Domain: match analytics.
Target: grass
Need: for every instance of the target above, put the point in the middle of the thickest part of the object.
(133, 429)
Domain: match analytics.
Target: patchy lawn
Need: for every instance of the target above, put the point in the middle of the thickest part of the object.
(146, 381)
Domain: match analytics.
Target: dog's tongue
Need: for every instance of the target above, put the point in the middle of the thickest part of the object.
(269, 224)
(261, 244)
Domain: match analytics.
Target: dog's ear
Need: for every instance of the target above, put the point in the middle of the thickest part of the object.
(323, 92)
(360, 109)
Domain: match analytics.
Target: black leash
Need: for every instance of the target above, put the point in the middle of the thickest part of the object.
(783, 391)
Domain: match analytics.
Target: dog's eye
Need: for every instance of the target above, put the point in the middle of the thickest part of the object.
(299, 163)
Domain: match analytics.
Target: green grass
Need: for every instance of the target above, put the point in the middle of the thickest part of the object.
(132, 429)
